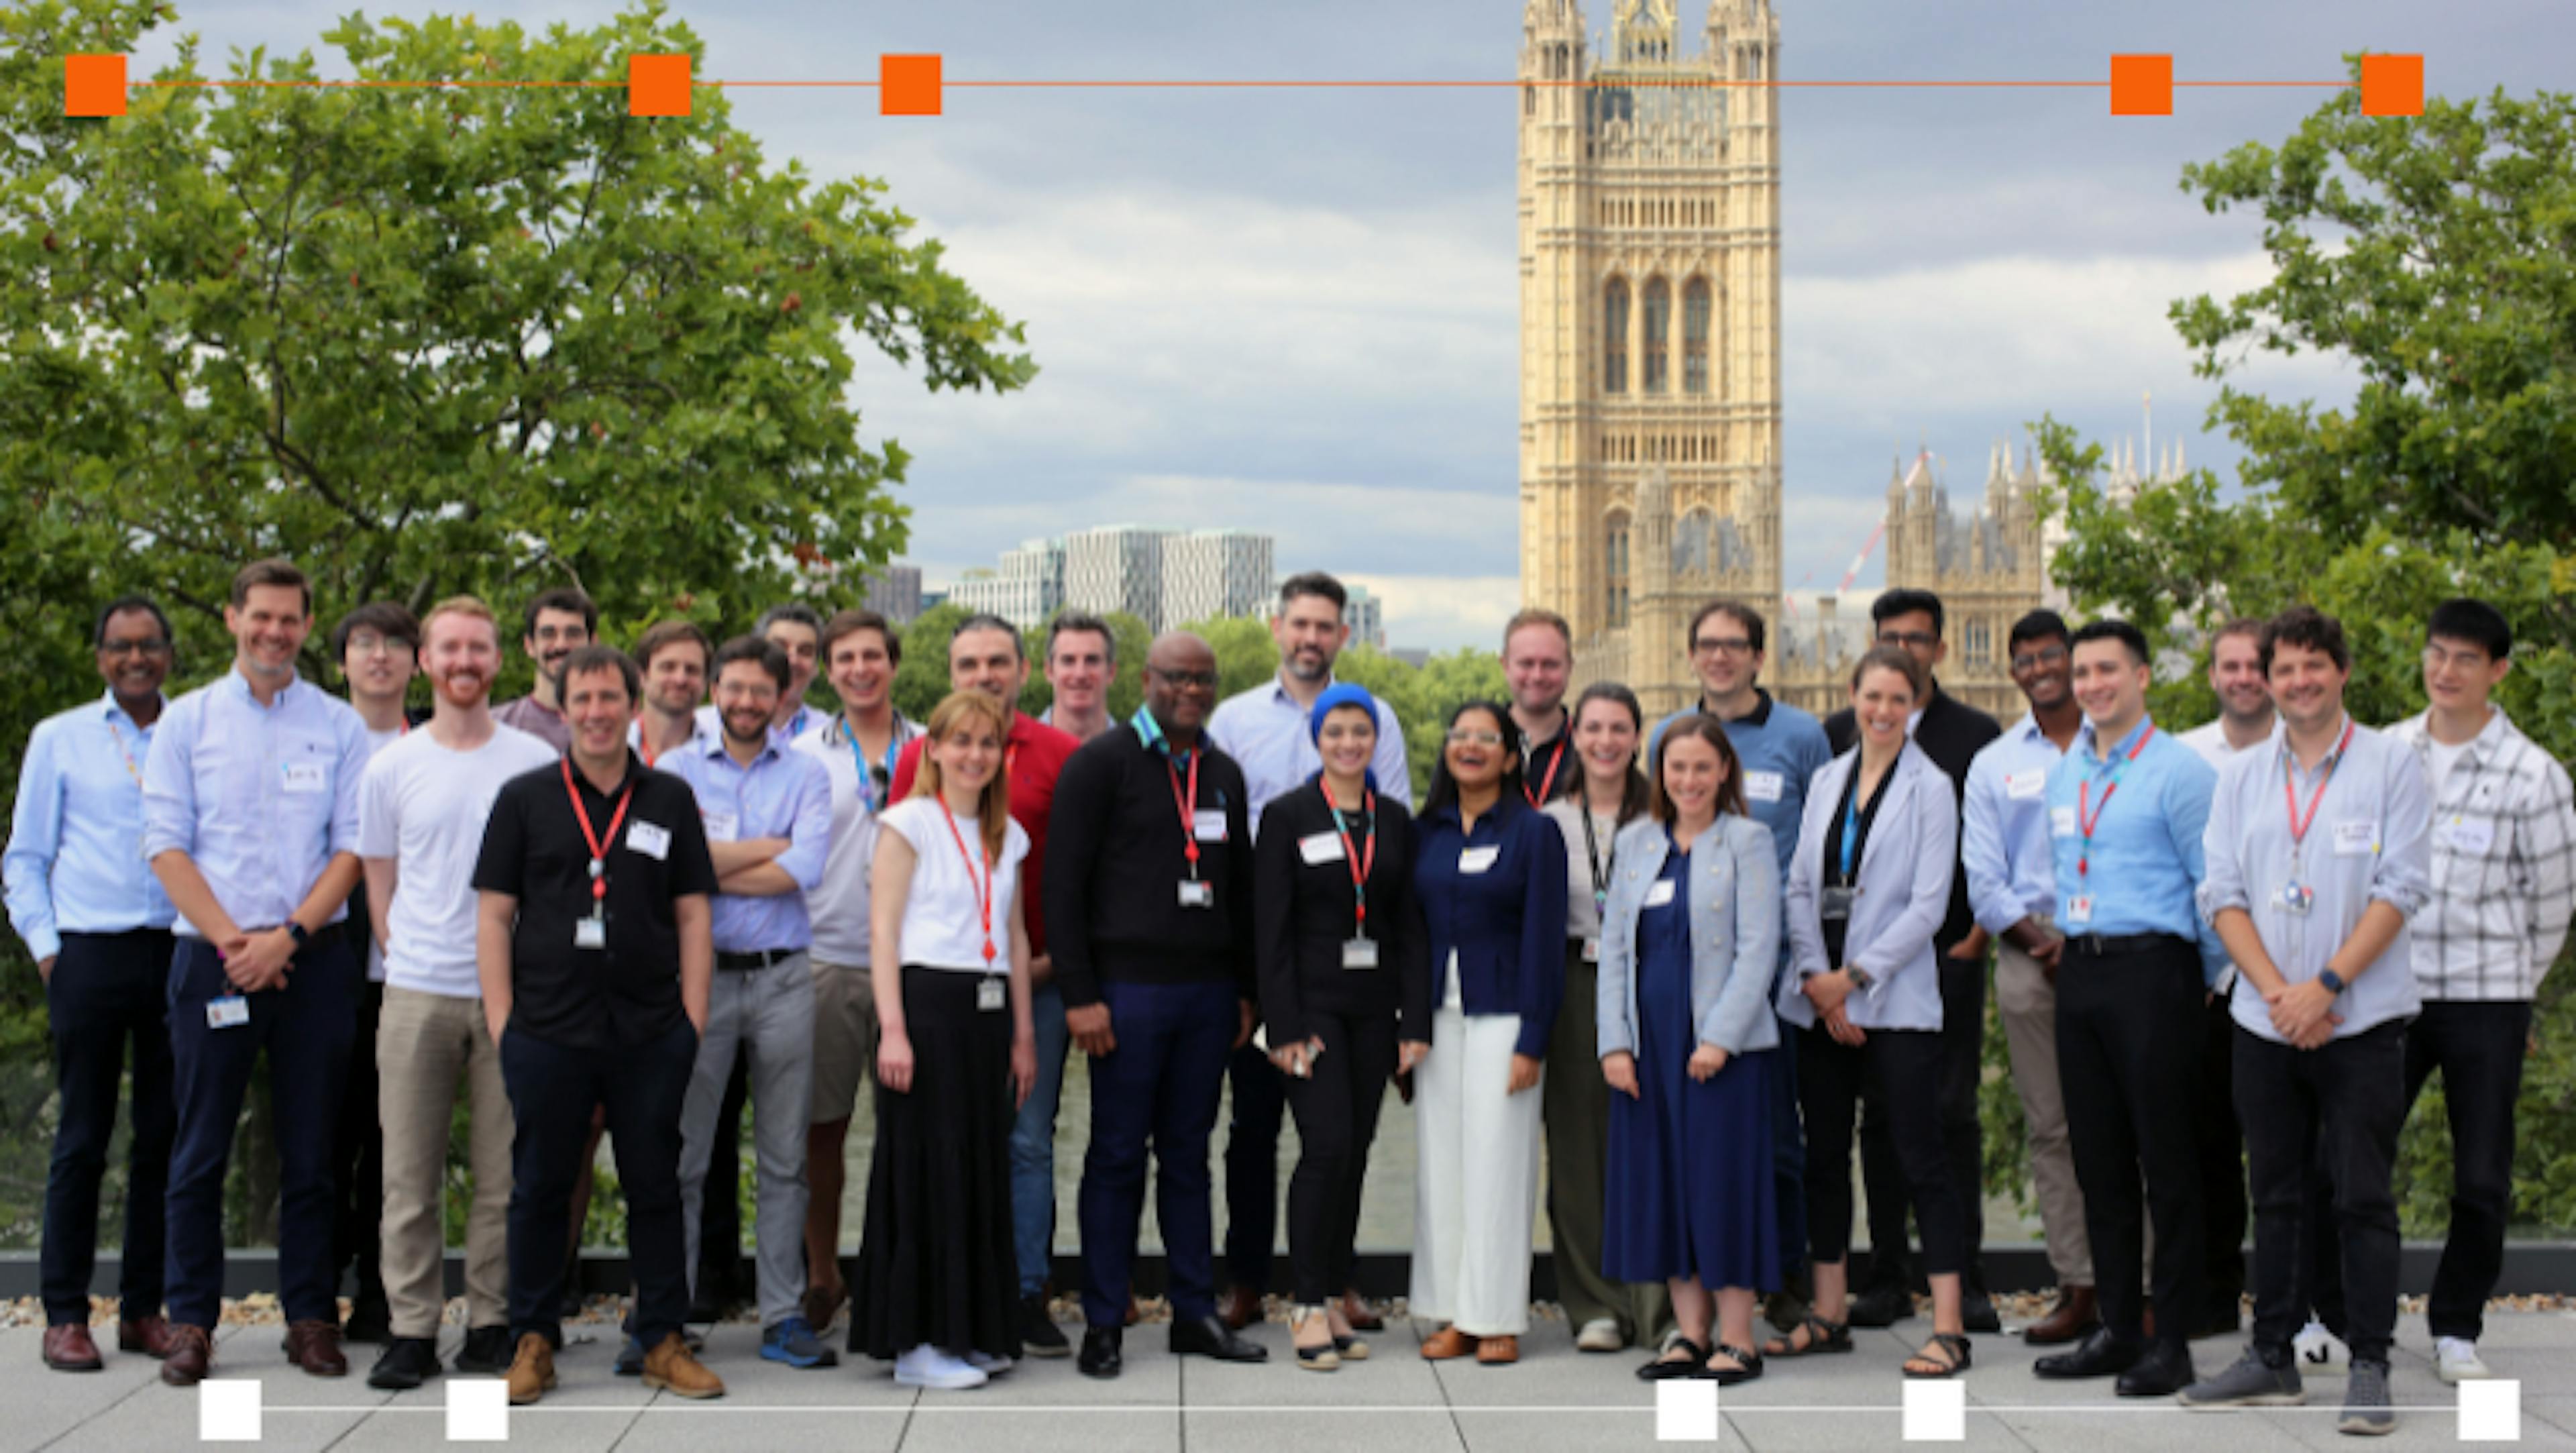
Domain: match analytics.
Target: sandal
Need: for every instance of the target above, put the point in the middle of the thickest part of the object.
(1666, 1366)
(1748, 1366)
(1954, 1343)
(1822, 1337)
(1324, 1358)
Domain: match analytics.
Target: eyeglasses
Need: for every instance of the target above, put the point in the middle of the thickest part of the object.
(1910, 640)
(372, 645)
(1472, 737)
(2437, 658)
(1710, 646)
(2044, 656)
(1187, 680)
(148, 646)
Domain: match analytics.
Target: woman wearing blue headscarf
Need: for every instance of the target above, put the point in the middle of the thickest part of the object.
(1345, 995)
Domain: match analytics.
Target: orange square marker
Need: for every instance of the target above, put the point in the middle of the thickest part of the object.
(2142, 85)
(907, 85)
(2392, 85)
(657, 85)
(93, 85)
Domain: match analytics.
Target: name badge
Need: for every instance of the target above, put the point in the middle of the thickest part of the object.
(230, 1012)
(651, 840)
(1359, 953)
(589, 932)
(2356, 839)
(1209, 824)
(1321, 847)
(1197, 894)
(2468, 835)
(721, 826)
(1478, 860)
(990, 993)
(1763, 786)
(2061, 822)
(2079, 909)
(1660, 894)
(1592, 950)
(2026, 786)
(1834, 904)
(305, 777)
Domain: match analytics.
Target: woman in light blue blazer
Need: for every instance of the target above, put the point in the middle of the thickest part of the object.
(1690, 939)
(1867, 890)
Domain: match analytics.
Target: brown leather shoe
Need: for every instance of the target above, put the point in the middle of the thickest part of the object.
(1498, 1351)
(2074, 1316)
(191, 1356)
(1355, 1310)
(532, 1369)
(673, 1366)
(315, 1347)
(1241, 1308)
(1446, 1343)
(147, 1335)
(68, 1348)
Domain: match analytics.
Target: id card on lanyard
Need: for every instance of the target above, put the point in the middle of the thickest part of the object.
(1194, 892)
(591, 931)
(2088, 816)
(2296, 898)
(1359, 951)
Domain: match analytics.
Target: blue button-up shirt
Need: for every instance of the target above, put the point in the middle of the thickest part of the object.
(2145, 856)
(1782, 748)
(2371, 839)
(260, 798)
(75, 858)
(2003, 840)
(1265, 731)
(781, 794)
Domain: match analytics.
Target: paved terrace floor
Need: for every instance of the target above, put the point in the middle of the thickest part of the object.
(1555, 1401)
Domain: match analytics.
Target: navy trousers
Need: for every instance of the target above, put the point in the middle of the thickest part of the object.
(1158, 1090)
(108, 990)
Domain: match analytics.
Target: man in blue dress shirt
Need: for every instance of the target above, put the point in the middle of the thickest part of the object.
(250, 820)
(98, 926)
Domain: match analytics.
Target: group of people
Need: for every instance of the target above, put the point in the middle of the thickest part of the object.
(1691, 967)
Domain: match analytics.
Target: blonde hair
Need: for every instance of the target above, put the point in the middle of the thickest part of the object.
(460, 605)
(961, 711)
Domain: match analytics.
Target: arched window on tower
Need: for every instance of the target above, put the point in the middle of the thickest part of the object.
(1614, 337)
(1614, 563)
(1659, 333)
(1695, 336)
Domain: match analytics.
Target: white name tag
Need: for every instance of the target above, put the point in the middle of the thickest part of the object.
(1477, 860)
(1763, 786)
(1592, 950)
(2061, 822)
(991, 993)
(306, 777)
(1359, 953)
(721, 826)
(1320, 847)
(2079, 909)
(2026, 786)
(1210, 825)
(590, 932)
(2356, 839)
(1197, 894)
(1660, 894)
(651, 840)
(230, 1012)
(2467, 835)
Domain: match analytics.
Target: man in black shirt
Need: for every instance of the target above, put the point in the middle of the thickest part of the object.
(1148, 903)
(595, 949)
(1951, 733)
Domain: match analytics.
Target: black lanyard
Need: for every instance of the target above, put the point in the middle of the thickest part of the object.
(1601, 867)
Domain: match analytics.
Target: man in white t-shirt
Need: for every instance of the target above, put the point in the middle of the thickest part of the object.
(421, 812)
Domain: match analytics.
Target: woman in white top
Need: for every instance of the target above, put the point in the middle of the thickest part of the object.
(938, 1287)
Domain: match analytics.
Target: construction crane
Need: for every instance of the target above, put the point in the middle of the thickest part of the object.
(1789, 602)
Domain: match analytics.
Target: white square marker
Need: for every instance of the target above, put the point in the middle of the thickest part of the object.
(228, 1410)
(1936, 1412)
(478, 1410)
(1685, 1411)
(2491, 1411)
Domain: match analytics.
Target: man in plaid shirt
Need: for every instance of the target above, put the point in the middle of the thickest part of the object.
(2504, 884)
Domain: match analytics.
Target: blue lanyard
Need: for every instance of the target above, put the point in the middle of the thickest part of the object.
(867, 784)
(1851, 826)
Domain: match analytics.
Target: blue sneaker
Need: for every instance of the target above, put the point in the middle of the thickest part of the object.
(794, 1343)
(630, 1358)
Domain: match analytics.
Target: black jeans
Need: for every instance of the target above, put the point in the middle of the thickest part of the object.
(108, 990)
(1962, 1065)
(552, 1089)
(1337, 1109)
(2129, 1028)
(2343, 1102)
(358, 1160)
(1258, 1106)
(2222, 1162)
(1892, 1067)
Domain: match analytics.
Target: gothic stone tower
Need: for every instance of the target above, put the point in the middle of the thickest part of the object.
(1650, 330)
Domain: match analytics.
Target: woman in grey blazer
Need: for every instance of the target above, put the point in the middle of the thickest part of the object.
(1690, 939)
(1867, 890)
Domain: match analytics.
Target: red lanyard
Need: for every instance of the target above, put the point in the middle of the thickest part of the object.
(1547, 785)
(2088, 817)
(130, 769)
(598, 844)
(1189, 807)
(983, 891)
(2299, 825)
(1360, 867)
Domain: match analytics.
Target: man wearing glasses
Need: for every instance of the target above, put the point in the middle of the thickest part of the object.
(98, 926)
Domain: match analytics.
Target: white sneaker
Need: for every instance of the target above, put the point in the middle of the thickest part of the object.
(2455, 1360)
(1601, 1334)
(987, 1364)
(927, 1366)
(2320, 1350)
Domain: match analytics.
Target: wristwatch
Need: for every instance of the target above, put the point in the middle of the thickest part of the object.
(2332, 980)
(295, 931)
(1859, 976)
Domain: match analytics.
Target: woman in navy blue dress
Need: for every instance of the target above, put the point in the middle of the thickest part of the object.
(1690, 937)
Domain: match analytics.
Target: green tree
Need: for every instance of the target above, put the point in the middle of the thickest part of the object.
(2432, 255)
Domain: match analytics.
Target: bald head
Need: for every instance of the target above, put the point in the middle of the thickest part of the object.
(1180, 683)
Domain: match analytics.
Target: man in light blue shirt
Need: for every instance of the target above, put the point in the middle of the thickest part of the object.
(2319, 853)
(250, 820)
(98, 926)
(768, 815)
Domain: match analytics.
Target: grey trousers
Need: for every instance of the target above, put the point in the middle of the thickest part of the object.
(769, 1015)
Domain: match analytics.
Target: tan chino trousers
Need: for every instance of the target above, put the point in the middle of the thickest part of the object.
(424, 1044)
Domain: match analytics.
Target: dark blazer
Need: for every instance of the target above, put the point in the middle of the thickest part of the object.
(1951, 734)
(1505, 921)
(1303, 911)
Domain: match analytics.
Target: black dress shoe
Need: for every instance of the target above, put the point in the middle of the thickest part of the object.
(2164, 1369)
(2100, 1355)
(1100, 1352)
(1977, 1310)
(406, 1364)
(1880, 1306)
(1211, 1337)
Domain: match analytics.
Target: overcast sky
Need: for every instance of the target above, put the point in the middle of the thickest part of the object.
(1295, 311)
